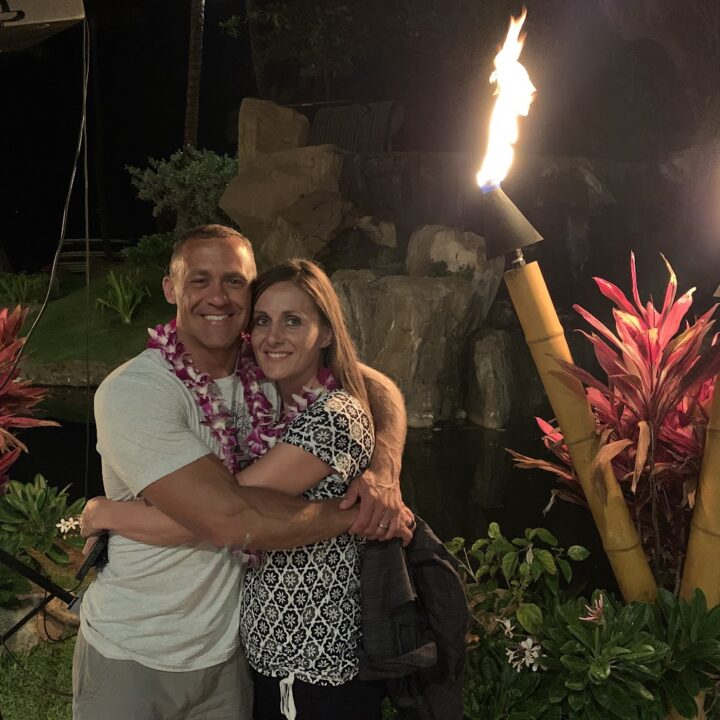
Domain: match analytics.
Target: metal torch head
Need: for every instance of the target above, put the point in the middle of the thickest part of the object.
(506, 228)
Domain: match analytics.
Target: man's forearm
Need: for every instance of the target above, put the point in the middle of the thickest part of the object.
(136, 520)
(204, 498)
(388, 410)
(273, 520)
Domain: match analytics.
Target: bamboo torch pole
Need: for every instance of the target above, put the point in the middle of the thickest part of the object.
(546, 340)
(702, 561)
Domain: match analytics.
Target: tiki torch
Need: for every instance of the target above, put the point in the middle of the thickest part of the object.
(507, 228)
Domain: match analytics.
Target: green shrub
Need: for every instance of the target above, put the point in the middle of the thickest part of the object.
(186, 187)
(535, 650)
(150, 251)
(30, 514)
(22, 288)
(124, 294)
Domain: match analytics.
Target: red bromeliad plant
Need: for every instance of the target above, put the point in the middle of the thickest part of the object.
(17, 398)
(651, 414)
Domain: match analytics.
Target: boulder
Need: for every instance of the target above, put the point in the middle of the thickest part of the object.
(503, 384)
(316, 217)
(264, 127)
(272, 183)
(414, 330)
(489, 399)
(437, 250)
(380, 232)
(352, 249)
(280, 241)
(56, 622)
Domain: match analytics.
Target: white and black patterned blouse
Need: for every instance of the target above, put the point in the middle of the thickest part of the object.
(300, 610)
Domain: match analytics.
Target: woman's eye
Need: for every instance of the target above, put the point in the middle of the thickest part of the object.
(260, 321)
(292, 320)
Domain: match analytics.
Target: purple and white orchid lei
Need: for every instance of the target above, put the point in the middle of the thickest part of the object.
(266, 431)
(216, 415)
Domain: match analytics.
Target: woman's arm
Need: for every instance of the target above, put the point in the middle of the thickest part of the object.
(135, 520)
(287, 468)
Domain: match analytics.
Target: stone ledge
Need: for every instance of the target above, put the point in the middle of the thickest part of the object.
(72, 373)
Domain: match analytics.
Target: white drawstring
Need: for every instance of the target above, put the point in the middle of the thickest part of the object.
(287, 699)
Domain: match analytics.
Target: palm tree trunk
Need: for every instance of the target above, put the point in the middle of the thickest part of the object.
(192, 95)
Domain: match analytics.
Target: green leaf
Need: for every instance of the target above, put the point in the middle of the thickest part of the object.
(547, 560)
(453, 546)
(530, 617)
(546, 536)
(681, 700)
(509, 564)
(536, 568)
(57, 555)
(578, 553)
(565, 568)
(493, 530)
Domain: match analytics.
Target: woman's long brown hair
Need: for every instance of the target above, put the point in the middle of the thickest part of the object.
(341, 355)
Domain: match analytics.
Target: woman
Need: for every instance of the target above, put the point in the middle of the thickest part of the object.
(301, 608)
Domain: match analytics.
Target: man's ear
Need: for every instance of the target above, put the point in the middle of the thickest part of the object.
(169, 290)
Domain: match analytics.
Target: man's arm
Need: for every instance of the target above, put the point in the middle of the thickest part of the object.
(204, 498)
(382, 512)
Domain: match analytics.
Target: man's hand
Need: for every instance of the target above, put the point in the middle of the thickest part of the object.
(90, 520)
(383, 514)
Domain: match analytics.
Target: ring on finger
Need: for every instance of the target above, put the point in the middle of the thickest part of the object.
(384, 526)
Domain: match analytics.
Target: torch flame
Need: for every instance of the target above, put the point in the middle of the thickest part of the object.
(514, 94)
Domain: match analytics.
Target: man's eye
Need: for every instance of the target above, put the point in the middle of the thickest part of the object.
(236, 282)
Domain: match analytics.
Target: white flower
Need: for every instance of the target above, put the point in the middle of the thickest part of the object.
(526, 654)
(67, 525)
(507, 626)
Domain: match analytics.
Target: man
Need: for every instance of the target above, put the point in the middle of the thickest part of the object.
(159, 626)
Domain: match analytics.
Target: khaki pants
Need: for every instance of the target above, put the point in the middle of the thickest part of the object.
(106, 689)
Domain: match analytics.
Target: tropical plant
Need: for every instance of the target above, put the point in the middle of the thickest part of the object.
(187, 187)
(693, 635)
(124, 294)
(22, 288)
(17, 398)
(518, 577)
(150, 251)
(510, 585)
(604, 661)
(651, 413)
(30, 515)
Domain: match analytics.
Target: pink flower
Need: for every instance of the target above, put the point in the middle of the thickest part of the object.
(595, 611)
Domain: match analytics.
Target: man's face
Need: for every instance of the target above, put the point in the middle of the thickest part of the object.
(210, 284)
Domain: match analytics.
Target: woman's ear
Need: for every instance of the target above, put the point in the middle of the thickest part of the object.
(326, 336)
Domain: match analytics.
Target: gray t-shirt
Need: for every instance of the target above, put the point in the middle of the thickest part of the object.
(173, 609)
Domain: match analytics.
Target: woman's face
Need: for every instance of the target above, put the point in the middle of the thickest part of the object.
(288, 336)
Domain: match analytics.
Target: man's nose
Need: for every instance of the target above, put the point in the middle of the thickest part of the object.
(218, 294)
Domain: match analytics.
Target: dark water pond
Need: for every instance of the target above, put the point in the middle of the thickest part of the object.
(458, 478)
